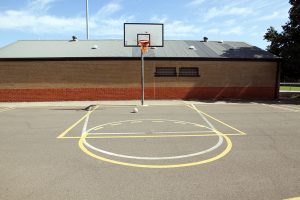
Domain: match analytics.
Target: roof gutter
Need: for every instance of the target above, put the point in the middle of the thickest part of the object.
(138, 58)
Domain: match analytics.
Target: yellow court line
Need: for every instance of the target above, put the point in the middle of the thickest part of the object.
(219, 156)
(207, 115)
(147, 136)
(76, 123)
(281, 107)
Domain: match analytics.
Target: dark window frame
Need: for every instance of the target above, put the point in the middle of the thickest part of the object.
(183, 72)
(163, 72)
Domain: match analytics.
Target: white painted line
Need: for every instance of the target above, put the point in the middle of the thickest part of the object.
(203, 117)
(85, 124)
(281, 107)
(75, 124)
(291, 107)
(4, 109)
(141, 120)
(135, 122)
(215, 119)
(179, 122)
(210, 130)
(98, 128)
(219, 143)
(115, 124)
(152, 133)
(199, 125)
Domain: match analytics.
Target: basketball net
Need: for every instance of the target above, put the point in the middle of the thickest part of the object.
(144, 44)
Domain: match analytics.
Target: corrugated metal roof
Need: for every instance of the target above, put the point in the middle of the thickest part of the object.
(115, 48)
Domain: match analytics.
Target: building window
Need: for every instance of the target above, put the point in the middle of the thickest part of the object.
(165, 71)
(189, 71)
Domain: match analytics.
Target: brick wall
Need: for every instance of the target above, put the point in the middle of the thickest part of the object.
(109, 80)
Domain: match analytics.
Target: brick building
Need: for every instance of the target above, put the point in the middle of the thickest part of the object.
(106, 70)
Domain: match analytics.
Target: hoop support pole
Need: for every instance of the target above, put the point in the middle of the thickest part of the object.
(142, 79)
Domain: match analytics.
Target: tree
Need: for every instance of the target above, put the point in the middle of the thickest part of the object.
(287, 43)
(276, 40)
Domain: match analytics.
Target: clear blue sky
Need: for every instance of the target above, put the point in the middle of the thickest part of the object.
(234, 20)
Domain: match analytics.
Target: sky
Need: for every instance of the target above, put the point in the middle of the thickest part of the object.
(219, 20)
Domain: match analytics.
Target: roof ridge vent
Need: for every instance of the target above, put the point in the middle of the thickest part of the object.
(95, 46)
(192, 47)
(74, 39)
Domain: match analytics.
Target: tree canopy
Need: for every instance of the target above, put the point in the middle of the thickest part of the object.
(287, 44)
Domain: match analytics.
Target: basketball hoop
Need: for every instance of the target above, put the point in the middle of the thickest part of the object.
(144, 44)
(143, 35)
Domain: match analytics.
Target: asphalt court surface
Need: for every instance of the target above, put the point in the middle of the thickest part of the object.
(155, 137)
(183, 151)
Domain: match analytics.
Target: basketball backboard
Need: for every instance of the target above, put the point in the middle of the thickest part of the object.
(135, 32)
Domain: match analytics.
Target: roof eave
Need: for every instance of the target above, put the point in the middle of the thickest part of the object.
(138, 58)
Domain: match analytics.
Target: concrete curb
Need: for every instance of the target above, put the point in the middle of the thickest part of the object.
(86, 103)
(107, 103)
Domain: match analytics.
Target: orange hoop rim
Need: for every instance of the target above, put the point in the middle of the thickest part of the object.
(144, 44)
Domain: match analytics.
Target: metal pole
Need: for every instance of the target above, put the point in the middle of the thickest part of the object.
(87, 19)
(142, 80)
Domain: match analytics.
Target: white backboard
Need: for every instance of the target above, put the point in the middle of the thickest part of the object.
(133, 32)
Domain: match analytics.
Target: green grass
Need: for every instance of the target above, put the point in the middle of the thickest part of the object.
(290, 88)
